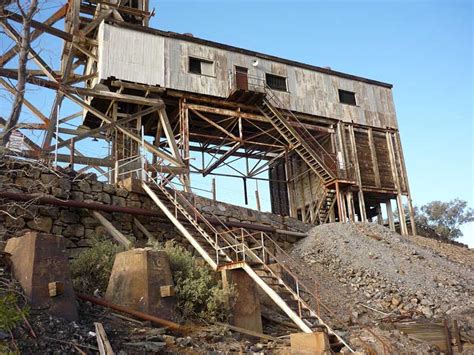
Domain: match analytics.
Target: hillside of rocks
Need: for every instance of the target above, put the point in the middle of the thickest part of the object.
(391, 273)
(368, 275)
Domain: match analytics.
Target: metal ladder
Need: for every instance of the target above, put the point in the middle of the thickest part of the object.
(256, 253)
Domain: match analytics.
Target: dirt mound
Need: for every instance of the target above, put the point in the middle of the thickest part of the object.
(362, 263)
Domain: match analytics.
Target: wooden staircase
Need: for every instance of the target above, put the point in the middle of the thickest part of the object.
(256, 253)
(308, 148)
(327, 202)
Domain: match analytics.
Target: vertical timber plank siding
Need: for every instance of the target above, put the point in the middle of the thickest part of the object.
(291, 185)
(373, 153)
(399, 164)
(279, 189)
(365, 158)
(131, 55)
(385, 170)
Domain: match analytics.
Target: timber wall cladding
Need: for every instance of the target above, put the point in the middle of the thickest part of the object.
(365, 158)
(305, 186)
(279, 189)
(131, 56)
(154, 59)
(385, 170)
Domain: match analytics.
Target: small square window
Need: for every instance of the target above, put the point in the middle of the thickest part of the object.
(347, 97)
(201, 66)
(276, 82)
(194, 65)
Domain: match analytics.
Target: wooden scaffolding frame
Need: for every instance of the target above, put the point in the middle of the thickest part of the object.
(223, 131)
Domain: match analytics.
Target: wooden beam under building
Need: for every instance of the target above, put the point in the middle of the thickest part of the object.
(401, 211)
(363, 213)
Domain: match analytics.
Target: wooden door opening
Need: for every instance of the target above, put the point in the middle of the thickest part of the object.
(241, 78)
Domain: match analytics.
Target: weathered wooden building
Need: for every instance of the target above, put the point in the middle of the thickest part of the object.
(330, 139)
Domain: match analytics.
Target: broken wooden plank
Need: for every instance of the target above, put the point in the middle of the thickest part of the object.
(128, 319)
(145, 231)
(447, 337)
(102, 341)
(457, 335)
(119, 237)
(428, 332)
(247, 332)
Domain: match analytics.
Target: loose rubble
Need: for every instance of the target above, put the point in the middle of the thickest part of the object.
(388, 273)
(129, 336)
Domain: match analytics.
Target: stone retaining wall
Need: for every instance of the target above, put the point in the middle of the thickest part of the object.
(78, 225)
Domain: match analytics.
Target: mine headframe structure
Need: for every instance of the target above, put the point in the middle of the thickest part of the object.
(321, 169)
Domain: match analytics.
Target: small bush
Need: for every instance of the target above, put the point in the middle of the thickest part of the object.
(91, 269)
(199, 293)
(10, 315)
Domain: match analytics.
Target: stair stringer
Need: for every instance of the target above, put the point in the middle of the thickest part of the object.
(302, 147)
(277, 299)
(180, 227)
(244, 265)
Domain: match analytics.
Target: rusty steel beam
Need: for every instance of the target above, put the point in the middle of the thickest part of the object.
(256, 227)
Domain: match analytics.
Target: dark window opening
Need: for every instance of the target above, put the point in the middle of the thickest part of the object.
(201, 66)
(299, 215)
(276, 82)
(194, 65)
(347, 97)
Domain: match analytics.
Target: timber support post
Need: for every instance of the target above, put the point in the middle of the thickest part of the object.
(391, 222)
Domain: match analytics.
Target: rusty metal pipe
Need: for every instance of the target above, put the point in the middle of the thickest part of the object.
(144, 316)
(48, 200)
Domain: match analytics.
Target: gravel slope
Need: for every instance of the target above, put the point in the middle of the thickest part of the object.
(409, 276)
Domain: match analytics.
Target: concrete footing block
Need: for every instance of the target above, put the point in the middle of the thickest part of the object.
(246, 311)
(40, 263)
(141, 279)
(310, 343)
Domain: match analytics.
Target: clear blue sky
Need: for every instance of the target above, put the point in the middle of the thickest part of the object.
(424, 48)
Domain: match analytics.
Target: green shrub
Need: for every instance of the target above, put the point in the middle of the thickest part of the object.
(10, 314)
(91, 269)
(199, 293)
